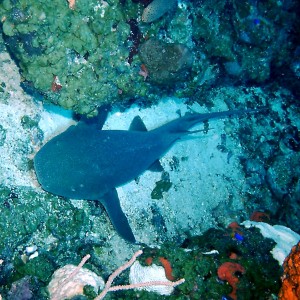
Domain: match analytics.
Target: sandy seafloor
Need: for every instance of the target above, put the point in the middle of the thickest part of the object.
(209, 186)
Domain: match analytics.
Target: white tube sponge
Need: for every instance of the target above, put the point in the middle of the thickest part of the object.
(284, 237)
(140, 274)
(156, 9)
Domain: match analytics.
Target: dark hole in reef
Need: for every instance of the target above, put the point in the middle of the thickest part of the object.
(135, 38)
(234, 250)
(186, 243)
(6, 204)
(238, 274)
(86, 55)
(144, 2)
(207, 276)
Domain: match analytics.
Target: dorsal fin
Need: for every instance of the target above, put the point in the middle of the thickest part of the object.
(137, 124)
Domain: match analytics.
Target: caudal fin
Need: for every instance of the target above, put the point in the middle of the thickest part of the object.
(182, 125)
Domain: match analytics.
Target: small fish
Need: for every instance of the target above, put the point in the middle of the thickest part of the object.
(156, 9)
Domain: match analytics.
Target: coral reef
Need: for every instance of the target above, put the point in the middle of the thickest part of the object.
(85, 56)
(217, 55)
(201, 260)
(251, 36)
(250, 273)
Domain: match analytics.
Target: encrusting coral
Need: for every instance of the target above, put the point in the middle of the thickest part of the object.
(229, 271)
(290, 289)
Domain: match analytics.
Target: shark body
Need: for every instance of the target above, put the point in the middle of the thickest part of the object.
(85, 162)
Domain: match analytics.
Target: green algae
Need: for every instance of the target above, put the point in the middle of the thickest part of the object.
(161, 186)
(2, 87)
(28, 122)
(25, 213)
(73, 221)
(52, 224)
(89, 293)
(19, 219)
(42, 267)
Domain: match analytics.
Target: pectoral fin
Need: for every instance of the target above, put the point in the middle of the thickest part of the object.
(111, 203)
(156, 167)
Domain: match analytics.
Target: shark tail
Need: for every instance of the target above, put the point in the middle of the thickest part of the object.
(182, 125)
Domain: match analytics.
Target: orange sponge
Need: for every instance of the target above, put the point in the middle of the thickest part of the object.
(290, 289)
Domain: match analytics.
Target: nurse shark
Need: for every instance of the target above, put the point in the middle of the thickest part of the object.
(85, 162)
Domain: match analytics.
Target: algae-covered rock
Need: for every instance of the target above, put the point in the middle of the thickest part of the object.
(26, 288)
(25, 212)
(73, 57)
(84, 57)
(50, 223)
(40, 267)
(166, 63)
